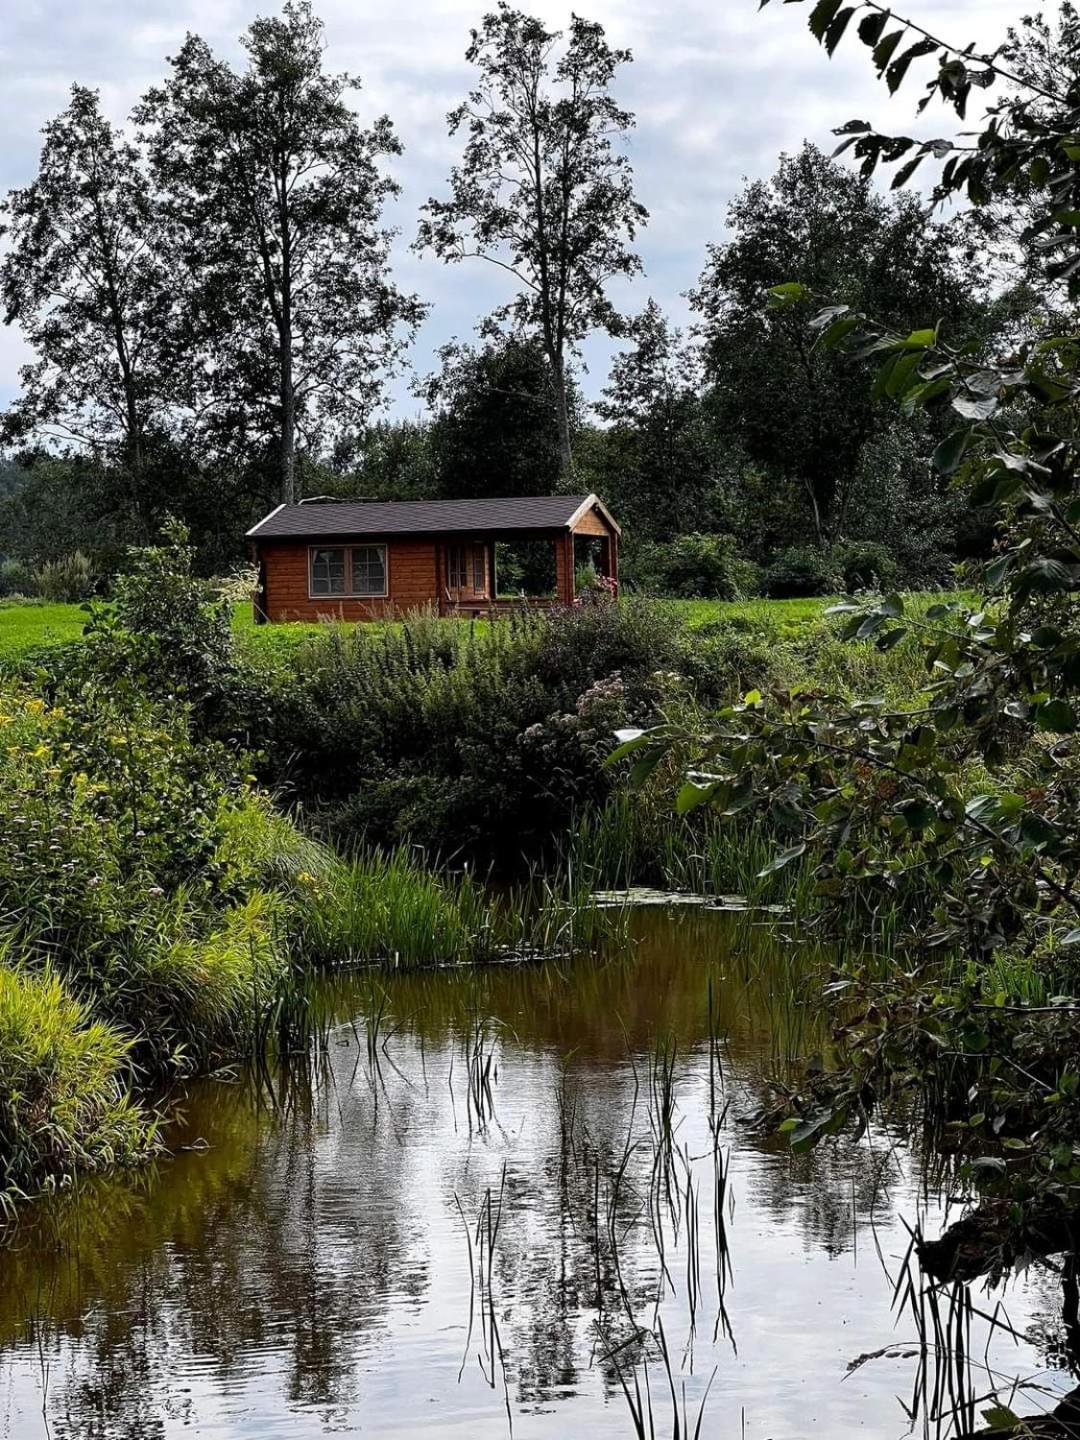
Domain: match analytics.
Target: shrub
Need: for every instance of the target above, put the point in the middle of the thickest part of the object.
(799, 571)
(67, 580)
(15, 577)
(865, 565)
(427, 733)
(695, 566)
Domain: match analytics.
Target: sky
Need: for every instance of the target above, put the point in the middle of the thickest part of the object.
(720, 90)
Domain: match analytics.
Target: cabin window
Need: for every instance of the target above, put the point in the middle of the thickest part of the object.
(466, 568)
(356, 571)
(369, 570)
(328, 572)
(456, 567)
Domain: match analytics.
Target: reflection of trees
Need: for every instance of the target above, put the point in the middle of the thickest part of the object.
(249, 1247)
(312, 1222)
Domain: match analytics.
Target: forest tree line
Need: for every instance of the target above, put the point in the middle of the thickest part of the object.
(211, 307)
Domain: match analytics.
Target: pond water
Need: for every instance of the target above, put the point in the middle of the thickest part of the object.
(521, 1201)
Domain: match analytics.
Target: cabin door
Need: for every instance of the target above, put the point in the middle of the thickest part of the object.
(467, 573)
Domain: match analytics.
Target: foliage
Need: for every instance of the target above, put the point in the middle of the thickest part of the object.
(961, 804)
(800, 570)
(274, 196)
(64, 1104)
(71, 578)
(693, 566)
(15, 578)
(479, 741)
(865, 565)
(541, 190)
(494, 430)
(661, 459)
(85, 275)
(798, 410)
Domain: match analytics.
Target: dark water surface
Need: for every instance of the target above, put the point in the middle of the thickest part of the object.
(492, 1201)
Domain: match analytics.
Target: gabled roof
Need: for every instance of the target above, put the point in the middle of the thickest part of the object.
(347, 519)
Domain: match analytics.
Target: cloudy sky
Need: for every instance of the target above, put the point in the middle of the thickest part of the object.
(718, 88)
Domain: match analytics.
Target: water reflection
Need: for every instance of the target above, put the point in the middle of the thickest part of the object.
(496, 1200)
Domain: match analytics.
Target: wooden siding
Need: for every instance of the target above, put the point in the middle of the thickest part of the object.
(411, 581)
(564, 569)
(592, 523)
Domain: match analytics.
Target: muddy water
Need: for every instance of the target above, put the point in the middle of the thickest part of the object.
(525, 1202)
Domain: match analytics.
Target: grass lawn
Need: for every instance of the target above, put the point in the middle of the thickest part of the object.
(25, 627)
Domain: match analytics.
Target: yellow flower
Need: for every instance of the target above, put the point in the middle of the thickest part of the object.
(35, 706)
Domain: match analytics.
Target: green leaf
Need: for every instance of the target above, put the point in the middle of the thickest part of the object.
(904, 174)
(950, 452)
(976, 407)
(894, 77)
(784, 858)
(631, 742)
(1000, 1417)
(790, 293)
(691, 796)
(643, 768)
(904, 370)
(920, 340)
(918, 815)
(1057, 716)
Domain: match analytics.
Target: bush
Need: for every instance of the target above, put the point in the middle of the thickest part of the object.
(696, 566)
(865, 565)
(15, 577)
(466, 740)
(67, 580)
(801, 570)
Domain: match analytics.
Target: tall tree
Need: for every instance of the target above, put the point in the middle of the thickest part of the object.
(541, 190)
(665, 452)
(276, 195)
(494, 430)
(84, 277)
(788, 401)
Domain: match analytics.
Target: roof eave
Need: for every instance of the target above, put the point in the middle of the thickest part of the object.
(593, 502)
(250, 535)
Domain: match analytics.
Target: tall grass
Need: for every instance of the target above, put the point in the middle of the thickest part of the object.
(391, 908)
(65, 1103)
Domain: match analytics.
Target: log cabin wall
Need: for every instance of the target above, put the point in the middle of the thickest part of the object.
(410, 578)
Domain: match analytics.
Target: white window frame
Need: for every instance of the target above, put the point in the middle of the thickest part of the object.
(349, 593)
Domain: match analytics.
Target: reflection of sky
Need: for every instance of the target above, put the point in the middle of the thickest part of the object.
(719, 91)
(309, 1275)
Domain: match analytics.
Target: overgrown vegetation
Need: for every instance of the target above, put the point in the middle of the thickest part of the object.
(161, 912)
(952, 811)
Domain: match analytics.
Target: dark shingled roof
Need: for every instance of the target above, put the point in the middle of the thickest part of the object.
(324, 519)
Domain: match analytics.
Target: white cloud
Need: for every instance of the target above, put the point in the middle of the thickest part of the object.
(719, 90)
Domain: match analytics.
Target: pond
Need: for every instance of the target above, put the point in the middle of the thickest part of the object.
(520, 1201)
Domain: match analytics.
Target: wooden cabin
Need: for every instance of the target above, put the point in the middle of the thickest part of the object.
(369, 560)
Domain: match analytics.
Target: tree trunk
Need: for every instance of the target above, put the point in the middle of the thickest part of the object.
(288, 426)
(288, 390)
(562, 418)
